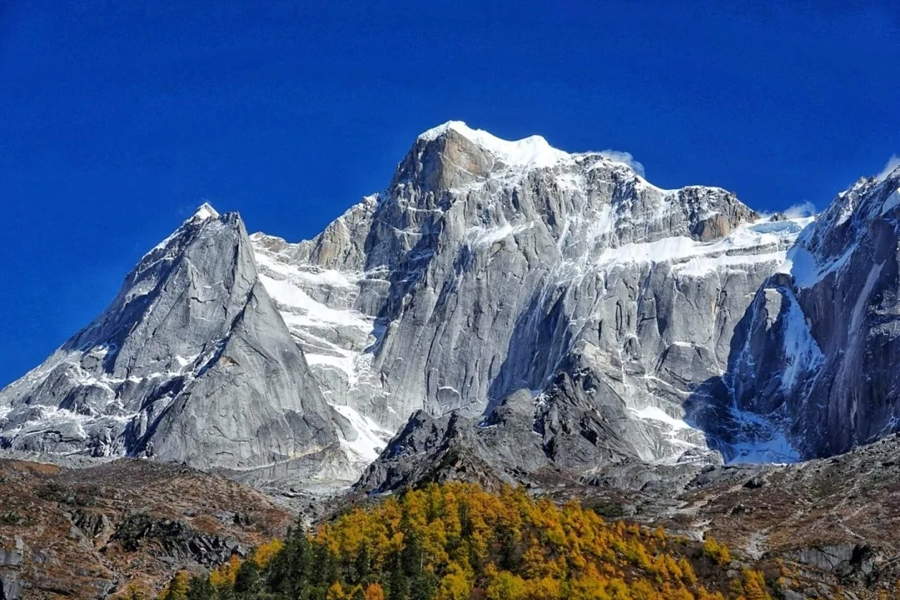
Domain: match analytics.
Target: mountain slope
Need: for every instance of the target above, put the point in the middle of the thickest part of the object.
(96, 532)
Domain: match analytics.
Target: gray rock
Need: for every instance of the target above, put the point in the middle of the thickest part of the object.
(851, 563)
(10, 571)
(476, 275)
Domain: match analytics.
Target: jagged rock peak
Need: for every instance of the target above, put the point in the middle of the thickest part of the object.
(526, 292)
(168, 248)
(190, 363)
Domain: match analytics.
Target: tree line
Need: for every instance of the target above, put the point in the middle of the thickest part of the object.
(456, 541)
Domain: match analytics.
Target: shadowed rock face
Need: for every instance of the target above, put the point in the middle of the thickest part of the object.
(828, 366)
(191, 363)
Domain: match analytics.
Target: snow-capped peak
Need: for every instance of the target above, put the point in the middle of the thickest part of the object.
(204, 211)
(533, 151)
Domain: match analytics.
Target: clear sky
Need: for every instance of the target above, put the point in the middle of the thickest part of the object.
(115, 122)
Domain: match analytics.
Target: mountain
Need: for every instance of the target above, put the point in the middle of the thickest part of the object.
(492, 270)
(190, 363)
(510, 309)
(822, 339)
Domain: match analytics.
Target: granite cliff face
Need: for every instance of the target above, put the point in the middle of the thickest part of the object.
(529, 307)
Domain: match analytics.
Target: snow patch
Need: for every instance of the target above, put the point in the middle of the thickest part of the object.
(701, 258)
(341, 363)
(370, 440)
(800, 348)
(696, 259)
(776, 450)
(862, 300)
(487, 236)
(205, 211)
(764, 441)
(891, 202)
(183, 362)
(701, 266)
(302, 310)
(311, 276)
(653, 413)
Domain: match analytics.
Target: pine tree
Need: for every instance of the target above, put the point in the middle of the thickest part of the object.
(362, 565)
(456, 542)
(248, 580)
(422, 586)
(288, 572)
(398, 582)
(200, 589)
(177, 588)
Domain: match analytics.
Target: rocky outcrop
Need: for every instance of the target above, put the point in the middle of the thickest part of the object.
(570, 438)
(96, 531)
(175, 540)
(10, 570)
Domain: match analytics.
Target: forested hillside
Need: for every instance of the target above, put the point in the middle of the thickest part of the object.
(456, 541)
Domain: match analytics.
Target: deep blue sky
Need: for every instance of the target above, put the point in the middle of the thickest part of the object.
(115, 122)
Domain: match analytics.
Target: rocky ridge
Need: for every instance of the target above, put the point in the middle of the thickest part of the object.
(490, 267)
(823, 335)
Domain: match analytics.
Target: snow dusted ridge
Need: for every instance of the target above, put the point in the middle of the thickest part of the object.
(510, 160)
(317, 307)
(763, 240)
(205, 211)
(190, 363)
(533, 152)
(821, 352)
(75, 363)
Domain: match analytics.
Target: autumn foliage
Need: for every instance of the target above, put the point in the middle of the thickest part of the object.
(458, 542)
